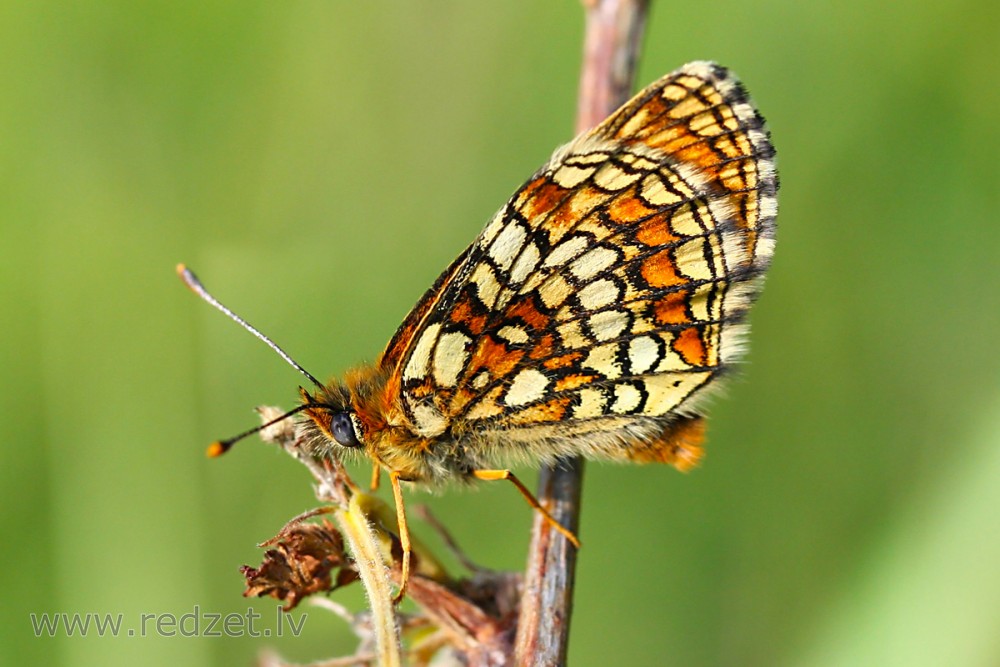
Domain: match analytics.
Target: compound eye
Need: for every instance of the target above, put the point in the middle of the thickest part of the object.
(342, 428)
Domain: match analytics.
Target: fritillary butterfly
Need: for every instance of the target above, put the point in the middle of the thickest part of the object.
(594, 313)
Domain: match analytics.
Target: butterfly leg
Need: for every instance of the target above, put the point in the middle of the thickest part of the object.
(404, 535)
(376, 476)
(494, 475)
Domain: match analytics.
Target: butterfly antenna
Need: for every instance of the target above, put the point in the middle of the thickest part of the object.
(195, 285)
(220, 447)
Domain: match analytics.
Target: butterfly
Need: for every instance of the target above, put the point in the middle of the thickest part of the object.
(592, 316)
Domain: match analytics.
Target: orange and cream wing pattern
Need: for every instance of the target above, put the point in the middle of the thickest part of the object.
(608, 294)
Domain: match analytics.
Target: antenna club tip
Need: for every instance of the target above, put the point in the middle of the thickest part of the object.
(217, 448)
(188, 278)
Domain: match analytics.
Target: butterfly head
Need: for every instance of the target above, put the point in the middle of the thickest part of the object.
(332, 418)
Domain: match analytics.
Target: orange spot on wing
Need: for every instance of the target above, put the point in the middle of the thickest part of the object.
(539, 197)
(550, 411)
(526, 310)
(494, 355)
(543, 349)
(671, 309)
(574, 381)
(690, 346)
(699, 154)
(628, 208)
(655, 231)
(563, 361)
(464, 314)
(660, 270)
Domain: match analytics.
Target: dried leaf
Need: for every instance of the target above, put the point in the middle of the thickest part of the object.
(302, 563)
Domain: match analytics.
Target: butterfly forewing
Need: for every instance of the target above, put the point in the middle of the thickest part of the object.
(607, 295)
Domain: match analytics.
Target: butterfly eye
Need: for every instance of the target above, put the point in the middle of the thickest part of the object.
(342, 429)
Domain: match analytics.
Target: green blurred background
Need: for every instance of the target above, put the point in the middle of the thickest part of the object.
(319, 162)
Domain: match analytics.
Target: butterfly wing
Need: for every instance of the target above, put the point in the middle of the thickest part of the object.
(606, 297)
